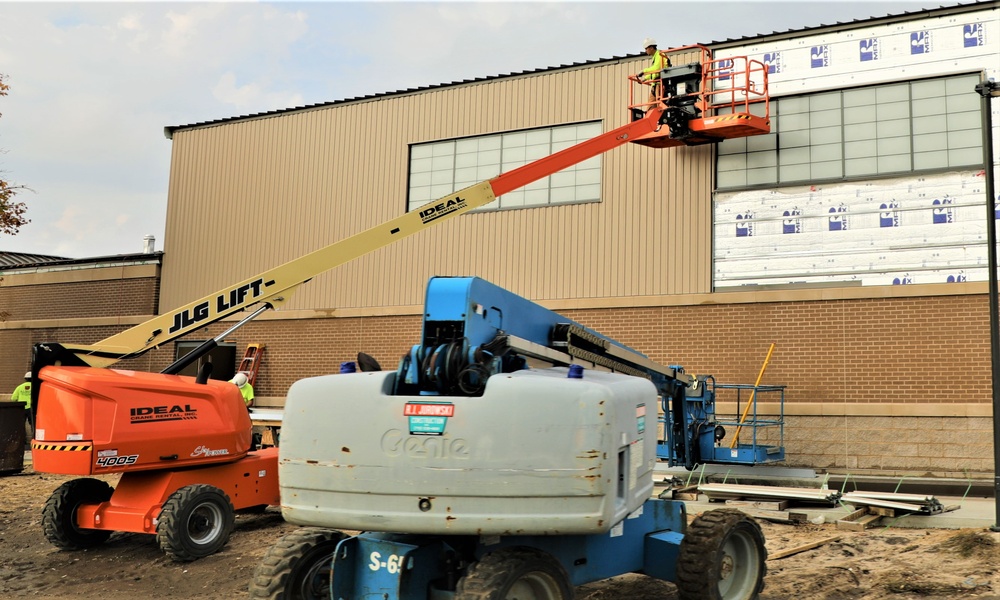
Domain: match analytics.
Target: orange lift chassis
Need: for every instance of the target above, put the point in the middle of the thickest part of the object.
(183, 444)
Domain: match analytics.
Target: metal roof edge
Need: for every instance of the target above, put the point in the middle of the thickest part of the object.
(97, 261)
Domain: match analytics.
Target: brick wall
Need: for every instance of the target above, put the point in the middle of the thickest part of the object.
(80, 299)
(903, 352)
(67, 300)
(959, 447)
(906, 351)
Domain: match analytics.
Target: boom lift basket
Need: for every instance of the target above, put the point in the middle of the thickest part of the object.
(706, 100)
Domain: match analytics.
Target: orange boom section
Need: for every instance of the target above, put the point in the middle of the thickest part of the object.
(108, 421)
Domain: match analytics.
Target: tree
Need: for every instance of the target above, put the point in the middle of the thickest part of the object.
(11, 212)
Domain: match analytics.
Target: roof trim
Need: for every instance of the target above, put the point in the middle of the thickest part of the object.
(97, 261)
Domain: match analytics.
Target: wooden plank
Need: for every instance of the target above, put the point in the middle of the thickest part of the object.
(854, 516)
(860, 524)
(778, 516)
(267, 437)
(797, 549)
(882, 511)
(761, 504)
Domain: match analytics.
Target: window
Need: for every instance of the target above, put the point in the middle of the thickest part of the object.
(440, 168)
(875, 131)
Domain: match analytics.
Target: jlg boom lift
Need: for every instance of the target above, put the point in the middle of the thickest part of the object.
(182, 444)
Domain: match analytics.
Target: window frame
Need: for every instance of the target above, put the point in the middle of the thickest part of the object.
(758, 164)
(500, 152)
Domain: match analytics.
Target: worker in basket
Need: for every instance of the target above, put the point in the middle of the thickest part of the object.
(651, 73)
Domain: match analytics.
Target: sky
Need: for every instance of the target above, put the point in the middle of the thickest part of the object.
(92, 85)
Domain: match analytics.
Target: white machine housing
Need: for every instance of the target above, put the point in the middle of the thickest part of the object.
(538, 453)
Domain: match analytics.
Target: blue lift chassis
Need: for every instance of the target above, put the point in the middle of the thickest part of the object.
(719, 556)
(380, 566)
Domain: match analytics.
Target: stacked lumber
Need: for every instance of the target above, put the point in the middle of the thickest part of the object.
(901, 503)
(767, 493)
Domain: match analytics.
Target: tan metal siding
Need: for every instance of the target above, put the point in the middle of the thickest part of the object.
(249, 195)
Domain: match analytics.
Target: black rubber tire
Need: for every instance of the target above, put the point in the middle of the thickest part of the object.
(195, 522)
(515, 574)
(59, 514)
(722, 557)
(297, 566)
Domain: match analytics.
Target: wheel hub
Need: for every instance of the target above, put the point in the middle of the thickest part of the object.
(726, 567)
(203, 524)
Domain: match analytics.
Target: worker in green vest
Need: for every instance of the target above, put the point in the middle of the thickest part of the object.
(652, 72)
(22, 394)
(241, 381)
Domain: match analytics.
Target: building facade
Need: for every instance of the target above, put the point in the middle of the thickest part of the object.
(852, 237)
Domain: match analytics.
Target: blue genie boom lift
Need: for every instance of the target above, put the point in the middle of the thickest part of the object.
(510, 455)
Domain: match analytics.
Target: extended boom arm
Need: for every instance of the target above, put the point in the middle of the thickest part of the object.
(273, 287)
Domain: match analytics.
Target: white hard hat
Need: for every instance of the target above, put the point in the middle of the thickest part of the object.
(240, 380)
(646, 43)
(27, 375)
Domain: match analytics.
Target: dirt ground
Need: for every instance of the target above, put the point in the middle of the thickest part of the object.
(877, 563)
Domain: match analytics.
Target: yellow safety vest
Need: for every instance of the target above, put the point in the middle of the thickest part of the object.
(22, 394)
(246, 391)
(653, 70)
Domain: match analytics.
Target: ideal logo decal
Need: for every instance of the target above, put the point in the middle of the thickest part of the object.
(960, 278)
(159, 414)
(441, 209)
(223, 302)
(973, 35)
(869, 49)
(920, 42)
(819, 57)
